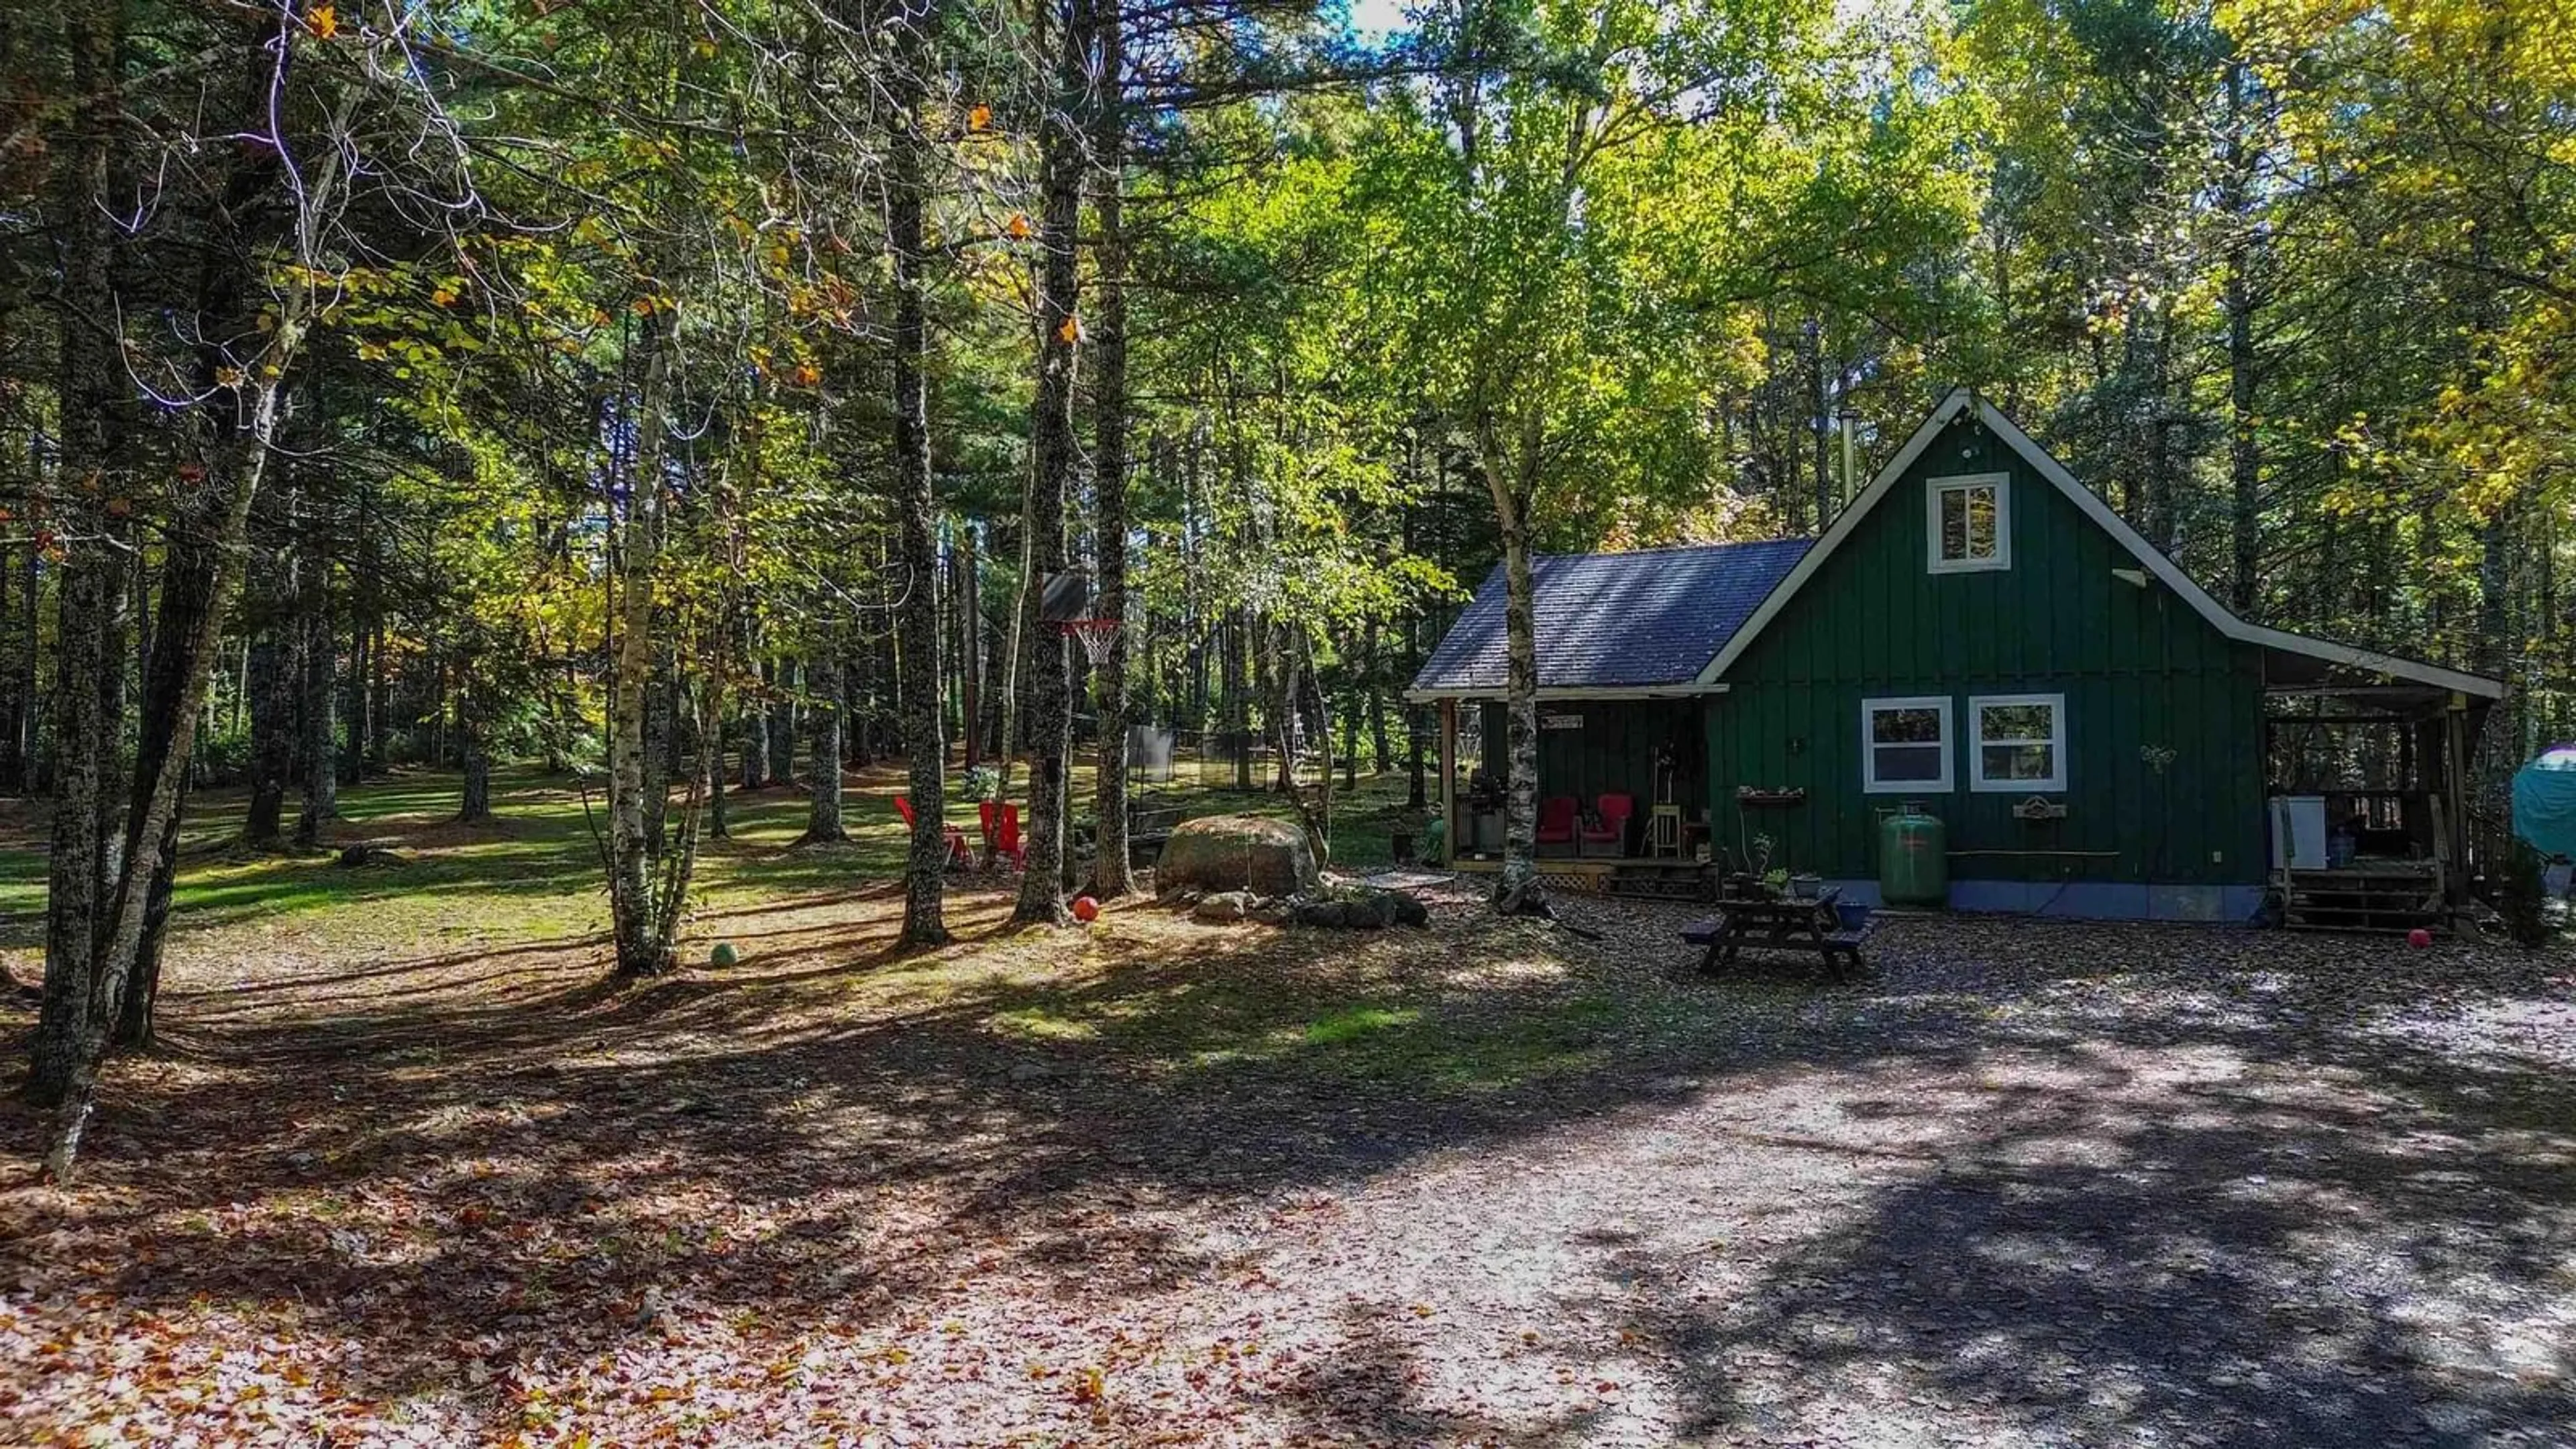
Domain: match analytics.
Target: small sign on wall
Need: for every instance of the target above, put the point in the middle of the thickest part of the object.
(1560, 721)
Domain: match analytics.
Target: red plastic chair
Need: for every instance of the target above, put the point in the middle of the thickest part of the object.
(1556, 820)
(957, 853)
(1615, 812)
(1007, 844)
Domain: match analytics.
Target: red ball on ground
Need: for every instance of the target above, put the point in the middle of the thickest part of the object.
(1085, 908)
(2419, 937)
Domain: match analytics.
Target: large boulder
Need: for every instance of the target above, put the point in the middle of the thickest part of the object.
(1235, 853)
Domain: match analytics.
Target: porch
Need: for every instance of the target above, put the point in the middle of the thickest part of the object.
(1623, 794)
(2367, 790)
(1645, 877)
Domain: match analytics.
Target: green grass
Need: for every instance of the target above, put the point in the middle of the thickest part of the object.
(534, 873)
(1353, 1008)
(1358, 1022)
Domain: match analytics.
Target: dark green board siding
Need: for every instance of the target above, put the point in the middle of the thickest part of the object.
(2141, 672)
(1611, 752)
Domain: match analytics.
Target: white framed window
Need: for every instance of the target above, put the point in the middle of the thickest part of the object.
(2017, 742)
(1968, 523)
(1905, 745)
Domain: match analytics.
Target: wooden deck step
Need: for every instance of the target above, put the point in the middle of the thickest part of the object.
(2391, 896)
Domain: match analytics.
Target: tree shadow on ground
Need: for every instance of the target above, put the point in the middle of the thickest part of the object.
(2040, 1193)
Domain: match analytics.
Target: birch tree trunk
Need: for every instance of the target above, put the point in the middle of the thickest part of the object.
(1517, 888)
(643, 939)
(237, 461)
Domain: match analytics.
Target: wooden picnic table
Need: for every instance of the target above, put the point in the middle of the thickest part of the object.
(1775, 923)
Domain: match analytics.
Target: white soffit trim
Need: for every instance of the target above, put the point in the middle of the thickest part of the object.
(1684, 689)
(2216, 613)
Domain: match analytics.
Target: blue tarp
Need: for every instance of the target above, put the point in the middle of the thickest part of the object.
(2544, 801)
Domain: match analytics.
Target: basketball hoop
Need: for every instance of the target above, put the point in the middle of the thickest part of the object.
(1095, 635)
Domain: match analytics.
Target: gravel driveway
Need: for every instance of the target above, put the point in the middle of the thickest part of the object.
(2032, 1184)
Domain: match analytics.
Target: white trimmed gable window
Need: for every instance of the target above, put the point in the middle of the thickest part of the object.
(2020, 742)
(1968, 523)
(1905, 744)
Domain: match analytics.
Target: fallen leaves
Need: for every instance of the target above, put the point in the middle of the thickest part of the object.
(807, 1205)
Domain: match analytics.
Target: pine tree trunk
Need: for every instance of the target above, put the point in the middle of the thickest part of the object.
(1009, 717)
(379, 709)
(187, 591)
(474, 806)
(781, 674)
(754, 729)
(1110, 876)
(1061, 141)
(89, 396)
(29, 717)
(2245, 458)
(1238, 713)
(16, 699)
(970, 642)
(272, 675)
(823, 749)
(351, 705)
(1381, 750)
(924, 744)
(318, 708)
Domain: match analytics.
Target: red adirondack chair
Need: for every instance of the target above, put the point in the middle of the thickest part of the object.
(1610, 837)
(1007, 844)
(957, 853)
(1556, 819)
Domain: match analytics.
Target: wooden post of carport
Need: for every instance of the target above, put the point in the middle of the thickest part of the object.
(1448, 781)
(2455, 791)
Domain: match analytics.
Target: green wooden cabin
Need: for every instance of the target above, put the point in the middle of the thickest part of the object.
(1976, 632)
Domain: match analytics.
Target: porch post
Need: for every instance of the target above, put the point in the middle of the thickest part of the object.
(2455, 785)
(1448, 781)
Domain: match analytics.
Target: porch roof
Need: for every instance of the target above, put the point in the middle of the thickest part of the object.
(1613, 623)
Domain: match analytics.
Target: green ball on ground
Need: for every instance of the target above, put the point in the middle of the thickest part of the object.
(723, 954)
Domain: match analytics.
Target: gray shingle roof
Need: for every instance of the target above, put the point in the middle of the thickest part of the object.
(1616, 620)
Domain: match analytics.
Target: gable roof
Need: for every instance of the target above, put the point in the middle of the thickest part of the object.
(1610, 623)
(1962, 401)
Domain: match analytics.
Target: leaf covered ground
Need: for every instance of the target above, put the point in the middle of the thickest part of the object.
(1157, 1182)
